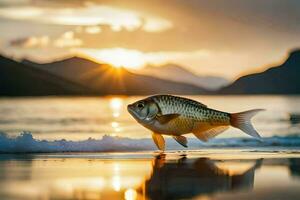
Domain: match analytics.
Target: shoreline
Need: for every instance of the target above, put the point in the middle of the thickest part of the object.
(208, 152)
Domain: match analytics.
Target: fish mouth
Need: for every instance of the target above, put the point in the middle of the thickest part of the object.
(131, 110)
(133, 113)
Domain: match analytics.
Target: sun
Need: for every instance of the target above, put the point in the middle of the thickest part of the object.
(117, 57)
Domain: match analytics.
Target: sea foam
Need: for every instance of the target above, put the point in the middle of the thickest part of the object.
(26, 143)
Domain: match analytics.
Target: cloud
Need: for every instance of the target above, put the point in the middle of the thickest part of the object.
(65, 40)
(90, 15)
(13, 2)
(92, 29)
(31, 42)
(156, 25)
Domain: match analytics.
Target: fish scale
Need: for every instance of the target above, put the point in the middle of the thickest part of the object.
(190, 109)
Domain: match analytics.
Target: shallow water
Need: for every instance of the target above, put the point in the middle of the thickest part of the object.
(79, 118)
(229, 174)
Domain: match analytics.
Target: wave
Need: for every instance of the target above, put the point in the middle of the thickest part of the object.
(25, 143)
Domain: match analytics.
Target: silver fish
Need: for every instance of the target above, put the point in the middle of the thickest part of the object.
(176, 116)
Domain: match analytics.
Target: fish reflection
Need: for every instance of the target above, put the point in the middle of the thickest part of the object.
(294, 118)
(187, 178)
(294, 166)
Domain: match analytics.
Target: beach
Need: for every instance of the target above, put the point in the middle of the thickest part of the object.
(67, 148)
(206, 174)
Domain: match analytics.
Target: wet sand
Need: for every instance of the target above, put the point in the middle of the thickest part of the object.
(205, 174)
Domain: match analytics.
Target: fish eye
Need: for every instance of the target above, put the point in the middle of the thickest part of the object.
(140, 105)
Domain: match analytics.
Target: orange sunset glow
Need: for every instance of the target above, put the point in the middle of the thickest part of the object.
(149, 99)
(135, 34)
(117, 57)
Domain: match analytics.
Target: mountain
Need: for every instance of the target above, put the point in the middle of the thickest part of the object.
(282, 79)
(18, 79)
(107, 80)
(176, 73)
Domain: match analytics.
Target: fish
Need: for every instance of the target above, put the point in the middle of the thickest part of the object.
(176, 116)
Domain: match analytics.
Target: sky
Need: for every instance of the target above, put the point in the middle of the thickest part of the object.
(213, 37)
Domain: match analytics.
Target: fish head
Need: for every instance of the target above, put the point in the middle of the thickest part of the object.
(144, 111)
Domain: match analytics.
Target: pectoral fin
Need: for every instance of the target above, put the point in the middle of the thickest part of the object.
(159, 141)
(181, 140)
(163, 119)
(205, 133)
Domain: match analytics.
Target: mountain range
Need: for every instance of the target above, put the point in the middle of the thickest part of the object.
(104, 79)
(79, 76)
(282, 79)
(180, 74)
(17, 79)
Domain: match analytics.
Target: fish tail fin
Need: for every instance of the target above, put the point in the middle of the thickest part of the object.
(242, 121)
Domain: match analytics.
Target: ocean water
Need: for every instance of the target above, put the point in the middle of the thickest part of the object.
(55, 124)
(90, 148)
(209, 175)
